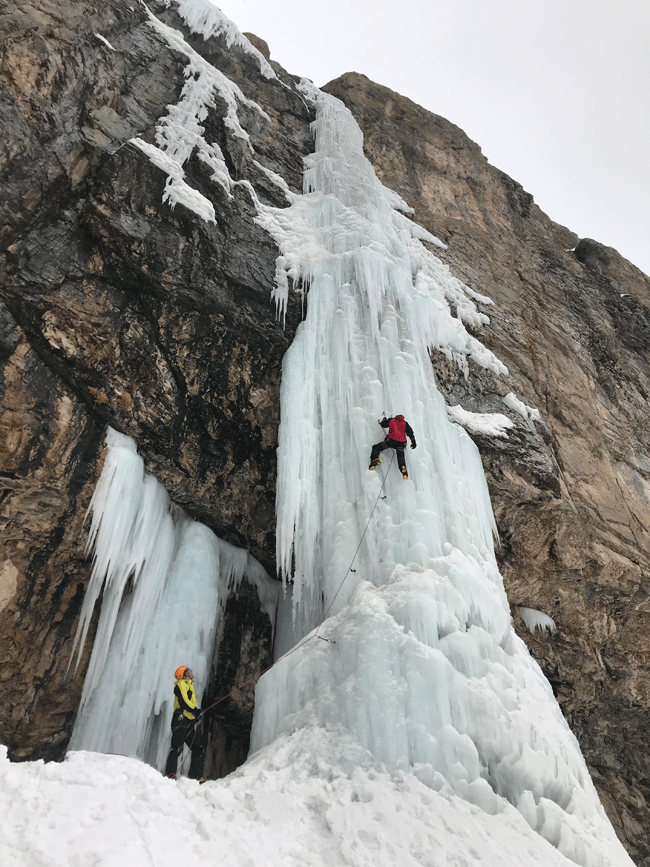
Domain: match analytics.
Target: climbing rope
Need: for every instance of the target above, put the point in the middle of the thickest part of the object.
(309, 637)
(358, 546)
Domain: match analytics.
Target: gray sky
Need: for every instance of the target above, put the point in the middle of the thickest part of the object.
(555, 92)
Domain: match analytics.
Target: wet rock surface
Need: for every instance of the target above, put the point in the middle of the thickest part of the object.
(117, 310)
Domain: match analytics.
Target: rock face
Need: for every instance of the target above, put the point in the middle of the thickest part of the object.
(117, 309)
(571, 492)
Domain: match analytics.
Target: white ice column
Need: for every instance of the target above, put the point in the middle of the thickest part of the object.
(164, 581)
(420, 663)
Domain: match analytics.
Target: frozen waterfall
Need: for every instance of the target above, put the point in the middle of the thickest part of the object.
(164, 581)
(421, 665)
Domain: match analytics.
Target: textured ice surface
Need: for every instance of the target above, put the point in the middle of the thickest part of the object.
(416, 660)
(164, 580)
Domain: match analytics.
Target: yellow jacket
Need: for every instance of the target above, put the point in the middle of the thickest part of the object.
(185, 697)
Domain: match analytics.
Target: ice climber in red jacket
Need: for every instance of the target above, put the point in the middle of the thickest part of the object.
(398, 430)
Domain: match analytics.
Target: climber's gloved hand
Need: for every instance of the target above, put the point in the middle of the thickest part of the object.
(413, 444)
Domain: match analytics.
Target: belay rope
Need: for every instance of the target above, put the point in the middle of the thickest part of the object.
(309, 637)
(315, 635)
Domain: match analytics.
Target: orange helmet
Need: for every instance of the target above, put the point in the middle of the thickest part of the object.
(179, 674)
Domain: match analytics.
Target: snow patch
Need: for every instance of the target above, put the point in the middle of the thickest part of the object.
(537, 620)
(527, 412)
(487, 423)
(104, 40)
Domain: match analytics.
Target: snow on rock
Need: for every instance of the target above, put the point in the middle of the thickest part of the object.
(493, 424)
(203, 17)
(527, 412)
(104, 40)
(537, 620)
(177, 191)
(180, 132)
(149, 556)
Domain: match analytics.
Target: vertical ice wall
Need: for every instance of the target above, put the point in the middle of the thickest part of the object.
(378, 301)
(420, 664)
(164, 581)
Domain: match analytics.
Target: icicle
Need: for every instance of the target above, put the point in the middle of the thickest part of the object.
(421, 665)
(537, 620)
(177, 575)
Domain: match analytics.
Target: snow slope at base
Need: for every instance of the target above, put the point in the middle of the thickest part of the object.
(315, 798)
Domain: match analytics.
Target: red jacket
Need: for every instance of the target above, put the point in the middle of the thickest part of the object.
(398, 429)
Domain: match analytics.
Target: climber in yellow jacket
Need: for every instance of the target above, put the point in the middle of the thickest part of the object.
(186, 725)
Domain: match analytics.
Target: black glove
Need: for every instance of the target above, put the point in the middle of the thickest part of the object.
(413, 444)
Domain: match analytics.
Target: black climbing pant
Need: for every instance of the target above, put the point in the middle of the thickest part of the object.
(390, 444)
(189, 732)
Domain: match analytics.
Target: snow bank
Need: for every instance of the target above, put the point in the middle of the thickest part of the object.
(203, 17)
(315, 799)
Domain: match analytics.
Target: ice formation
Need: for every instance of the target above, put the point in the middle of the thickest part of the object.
(420, 664)
(165, 579)
(535, 619)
